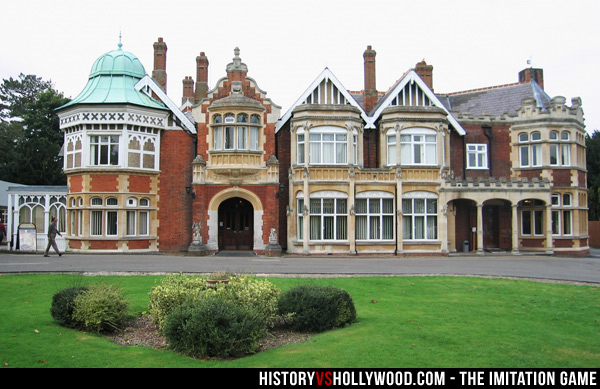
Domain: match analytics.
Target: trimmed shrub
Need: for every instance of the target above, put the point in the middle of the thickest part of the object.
(101, 308)
(63, 305)
(258, 295)
(175, 290)
(214, 327)
(317, 308)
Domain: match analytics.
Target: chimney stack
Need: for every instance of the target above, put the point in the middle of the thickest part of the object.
(160, 63)
(201, 77)
(425, 72)
(188, 90)
(370, 92)
(526, 75)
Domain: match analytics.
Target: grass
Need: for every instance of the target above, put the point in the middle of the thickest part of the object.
(403, 322)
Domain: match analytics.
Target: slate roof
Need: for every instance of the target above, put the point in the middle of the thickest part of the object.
(496, 101)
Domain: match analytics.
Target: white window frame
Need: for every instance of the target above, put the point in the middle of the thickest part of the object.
(100, 144)
(319, 142)
(236, 132)
(96, 216)
(142, 152)
(428, 231)
(392, 144)
(330, 225)
(418, 147)
(300, 216)
(533, 220)
(479, 152)
(374, 216)
(530, 150)
(300, 147)
(112, 217)
(562, 215)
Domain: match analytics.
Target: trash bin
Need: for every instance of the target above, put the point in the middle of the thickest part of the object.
(466, 246)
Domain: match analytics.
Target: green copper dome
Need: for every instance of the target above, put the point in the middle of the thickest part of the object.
(112, 81)
(118, 62)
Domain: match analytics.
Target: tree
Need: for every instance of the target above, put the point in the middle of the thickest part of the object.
(592, 142)
(30, 136)
(16, 94)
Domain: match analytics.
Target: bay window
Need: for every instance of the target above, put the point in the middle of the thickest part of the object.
(104, 150)
(231, 132)
(328, 145)
(418, 146)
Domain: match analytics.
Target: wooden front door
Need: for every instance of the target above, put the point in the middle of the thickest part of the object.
(236, 222)
(490, 227)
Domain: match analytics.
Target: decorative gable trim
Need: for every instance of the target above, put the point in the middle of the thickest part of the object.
(411, 90)
(325, 89)
(148, 86)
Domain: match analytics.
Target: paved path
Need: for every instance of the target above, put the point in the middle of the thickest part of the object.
(584, 270)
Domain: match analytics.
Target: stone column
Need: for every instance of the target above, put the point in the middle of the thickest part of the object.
(515, 229)
(479, 228)
(549, 240)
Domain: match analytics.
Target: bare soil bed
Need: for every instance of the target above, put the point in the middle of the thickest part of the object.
(142, 332)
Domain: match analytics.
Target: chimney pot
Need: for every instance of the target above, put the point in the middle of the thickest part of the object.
(370, 93)
(160, 63)
(425, 72)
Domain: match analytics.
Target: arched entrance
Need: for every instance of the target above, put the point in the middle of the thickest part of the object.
(236, 224)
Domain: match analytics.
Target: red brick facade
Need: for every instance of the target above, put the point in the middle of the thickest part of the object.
(198, 174)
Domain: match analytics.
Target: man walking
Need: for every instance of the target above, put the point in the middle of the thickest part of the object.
(52, 231)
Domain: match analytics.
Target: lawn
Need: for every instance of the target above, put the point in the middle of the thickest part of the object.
(402, 322)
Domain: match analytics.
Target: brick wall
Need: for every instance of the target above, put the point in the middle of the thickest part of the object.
(561, 177)
(283, 145)
(139, 184)
(175, 205)
(371, 148)
(499, 150)
(104, 182)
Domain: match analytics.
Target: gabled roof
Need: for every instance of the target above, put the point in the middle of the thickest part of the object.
(411, 89)
(313, 91)
(496, 101)
(148, 85)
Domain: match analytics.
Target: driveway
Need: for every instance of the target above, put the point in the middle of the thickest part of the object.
(541, 267)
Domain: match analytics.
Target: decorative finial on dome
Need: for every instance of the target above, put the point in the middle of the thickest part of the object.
(120, 44)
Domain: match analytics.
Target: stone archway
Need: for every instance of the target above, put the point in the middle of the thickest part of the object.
(236, 224)
(250, 215)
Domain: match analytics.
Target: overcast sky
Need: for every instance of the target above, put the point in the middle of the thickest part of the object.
(286, 44)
